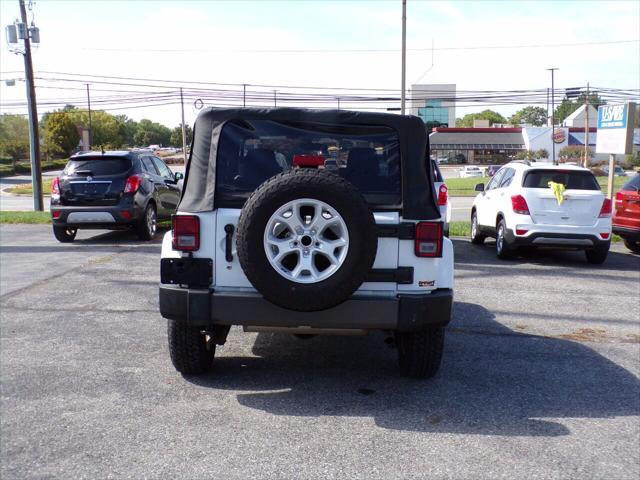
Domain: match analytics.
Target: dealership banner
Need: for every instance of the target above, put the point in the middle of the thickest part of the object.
(615, 128)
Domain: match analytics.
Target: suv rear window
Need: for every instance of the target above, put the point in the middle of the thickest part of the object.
(571, 179)
(98, 166)
(251, 151)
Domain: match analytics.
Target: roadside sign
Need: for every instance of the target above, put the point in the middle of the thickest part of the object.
(615, 128)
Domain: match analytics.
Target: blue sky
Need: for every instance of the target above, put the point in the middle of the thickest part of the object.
(119, 38)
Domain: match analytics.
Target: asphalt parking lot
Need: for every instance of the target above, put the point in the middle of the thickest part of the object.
(540, 377)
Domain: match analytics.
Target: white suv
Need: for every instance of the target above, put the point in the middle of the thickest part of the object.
(267, 238)
(518, 207)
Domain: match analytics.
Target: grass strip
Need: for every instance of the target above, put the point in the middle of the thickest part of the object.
(24, 217)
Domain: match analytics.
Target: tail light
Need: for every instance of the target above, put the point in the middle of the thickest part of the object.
(620, 198)
(521, 231)
(519, 205)
(55, 186)
(428, 239)
(443, 194)
(312, 161)
(605, 211)
(186, 232)
(55, 213)
(132, 184)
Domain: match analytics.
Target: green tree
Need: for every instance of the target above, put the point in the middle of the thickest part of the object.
(493, 117)
(60, 132)
(567, 107)
(574, 153)
(14, 137)
(176, 135)
(536, 116)
(542, 153)
(151, 133)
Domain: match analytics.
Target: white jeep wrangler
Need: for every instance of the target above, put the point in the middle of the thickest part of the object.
(307, 222)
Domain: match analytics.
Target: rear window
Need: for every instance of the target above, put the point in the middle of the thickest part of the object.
(251, 151)
(97, 166)
(572, 180)
(633, 184)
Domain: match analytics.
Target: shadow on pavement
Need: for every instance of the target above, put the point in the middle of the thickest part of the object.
(493, 381)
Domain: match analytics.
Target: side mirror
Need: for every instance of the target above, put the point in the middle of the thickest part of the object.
(178, 176)
(479, 187)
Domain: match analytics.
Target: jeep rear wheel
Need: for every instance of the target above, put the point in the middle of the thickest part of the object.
(189, 349)
(64, 234)
(306, 239)
(420, 353)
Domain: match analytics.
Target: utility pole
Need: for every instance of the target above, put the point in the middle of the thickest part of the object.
(338, 103)
(34, 139)
(244, 94)
(553, 118)
(90, 127)
(586, 128)
(404, 56)
(184, 131)
(275, 103)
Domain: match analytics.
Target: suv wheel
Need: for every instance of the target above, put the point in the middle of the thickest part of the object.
(504, 249)
(597, 255)
(148, 223)
(632, 245)
(420, 353)
(306, 239)
(64, 234)
(189, 349)
(476, 237)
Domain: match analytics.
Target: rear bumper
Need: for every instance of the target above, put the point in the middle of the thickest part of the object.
(203, 307)
(557, 240)
(627, 232)
(109, 216)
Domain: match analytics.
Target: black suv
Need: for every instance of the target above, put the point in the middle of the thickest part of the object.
(113, 190)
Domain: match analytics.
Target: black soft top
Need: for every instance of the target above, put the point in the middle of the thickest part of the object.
(418, 196)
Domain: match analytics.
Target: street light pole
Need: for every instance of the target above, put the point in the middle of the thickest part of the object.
(34, 140)
(184, 132)
(553, 118)
(404, 56)
(90, 127)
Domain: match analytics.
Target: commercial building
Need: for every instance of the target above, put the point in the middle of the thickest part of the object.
(434, 103)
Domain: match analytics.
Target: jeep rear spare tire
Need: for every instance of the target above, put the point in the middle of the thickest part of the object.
(306, 239)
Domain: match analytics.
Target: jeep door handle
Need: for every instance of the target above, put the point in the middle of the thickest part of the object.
(228, 245)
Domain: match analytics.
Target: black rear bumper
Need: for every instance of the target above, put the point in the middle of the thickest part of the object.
(627, 232)
(203, 307)
(556, 240)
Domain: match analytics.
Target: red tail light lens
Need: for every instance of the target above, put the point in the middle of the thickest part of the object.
(519, 205)
(55, 213)
(186, 232)
(605, 211)
(443, 194)
(428, 239)
(312, 161)
(132, 184)
(521, 231)
(55, 186)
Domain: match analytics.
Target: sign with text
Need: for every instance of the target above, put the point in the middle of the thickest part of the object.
(615, 128)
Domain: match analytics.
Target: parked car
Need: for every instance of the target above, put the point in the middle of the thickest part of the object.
(442, 192)
(307, 251)
(518, 207)
(113, 190)
(470, 171)
(492, 170)
(618, 171)
(626, 215)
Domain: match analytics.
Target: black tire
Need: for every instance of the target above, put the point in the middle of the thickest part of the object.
(64, 234)
(147, 226)
(632, 245)
(504, 250)
(598, 255)
(334, 191)
(190, 352)
(420, 353)
(476, 238)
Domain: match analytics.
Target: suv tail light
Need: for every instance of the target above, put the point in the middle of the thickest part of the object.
(132, 184)
(605, 211)
(620, 198)
(519, 205)
(428, 239)
(186, 232)
(443, 194)
(55, 186)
